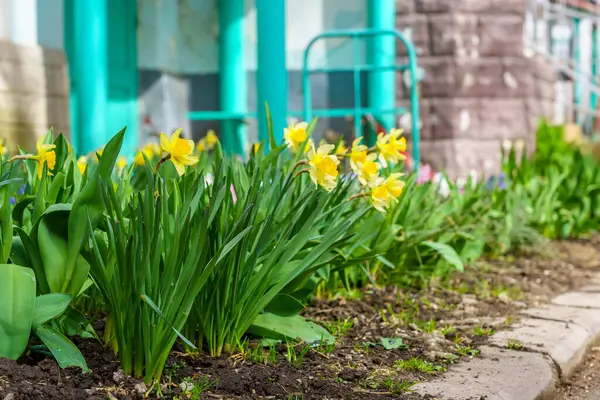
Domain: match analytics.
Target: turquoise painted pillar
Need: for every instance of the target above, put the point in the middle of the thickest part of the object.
(271, 76)
(382, 53)
(234, 90)
(594, 83)
(577, 67)
(90, 54)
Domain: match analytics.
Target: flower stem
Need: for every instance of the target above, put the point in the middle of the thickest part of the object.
(21, 157)
(302, 171)
(357, 195)
(162, 160)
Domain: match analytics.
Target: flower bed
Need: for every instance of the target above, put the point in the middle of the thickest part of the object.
(319, 270)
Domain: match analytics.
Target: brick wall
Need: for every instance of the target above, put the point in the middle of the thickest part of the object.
(34, 93)
(479, 88)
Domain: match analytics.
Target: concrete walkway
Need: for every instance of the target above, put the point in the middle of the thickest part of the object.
(532, 359)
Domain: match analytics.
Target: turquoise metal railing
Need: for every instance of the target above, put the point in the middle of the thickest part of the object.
(358, 111)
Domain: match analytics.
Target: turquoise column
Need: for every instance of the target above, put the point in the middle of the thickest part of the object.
(382, 53)
(90, 57)
(595, 38)
(234, 90)
(577, 67)
(271, 76)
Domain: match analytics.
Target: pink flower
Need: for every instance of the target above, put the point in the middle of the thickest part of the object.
(233, 195)
(425, 174)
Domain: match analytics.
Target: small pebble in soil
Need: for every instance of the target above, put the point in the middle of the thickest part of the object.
(140, 388)
(118, 376)
(186, 386)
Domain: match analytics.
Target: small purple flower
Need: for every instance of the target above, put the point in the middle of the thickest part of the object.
(497, 181)
(21, 191)
(12, 200)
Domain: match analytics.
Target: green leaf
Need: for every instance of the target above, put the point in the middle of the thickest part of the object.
(63, 350)
(52, 245)
(392, 343)
(447, 253)
(73, 322)
(17, 304)
(20, 208)
(297, 328)
(49, 306)
(89, 205)
(272, 141)
(284, 305)
(35, 260)
(155, 308)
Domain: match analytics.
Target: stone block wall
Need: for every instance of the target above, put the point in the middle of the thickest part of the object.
(479, 88)
(34, 93)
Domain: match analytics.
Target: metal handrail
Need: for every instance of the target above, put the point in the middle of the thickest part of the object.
(359, 112)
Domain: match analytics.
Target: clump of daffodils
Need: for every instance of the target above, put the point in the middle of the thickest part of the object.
(368, 164)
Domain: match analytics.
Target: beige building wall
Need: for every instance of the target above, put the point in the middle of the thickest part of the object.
(34, 93)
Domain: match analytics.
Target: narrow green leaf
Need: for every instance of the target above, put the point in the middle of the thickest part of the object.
(155, 308)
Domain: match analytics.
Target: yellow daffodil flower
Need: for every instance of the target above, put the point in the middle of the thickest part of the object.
(341, 149)
(149, 150)
(368, 170)
(323, 166)
(45, 155)
(3, 149)
(358, 153)
(98, 153)
(179, 150)
(295, 135)
(384, 191)
(121, 163)
(211, 139)
(82, 163)
(391, 146)
(255, 148)
(201, 146)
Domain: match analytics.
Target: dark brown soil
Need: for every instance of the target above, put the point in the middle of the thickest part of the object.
(440, 326)
(585, 383)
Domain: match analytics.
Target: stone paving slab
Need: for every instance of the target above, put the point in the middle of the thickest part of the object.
(590, 288)
(588, 319)
(497, 374)
(578, 299)
(564, 342)
(556, 337)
